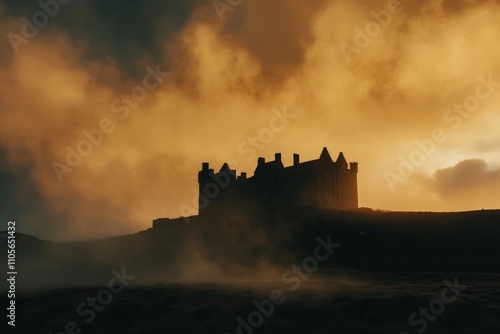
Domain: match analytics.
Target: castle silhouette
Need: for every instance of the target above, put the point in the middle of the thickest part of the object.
(320, 183)
(274, 188)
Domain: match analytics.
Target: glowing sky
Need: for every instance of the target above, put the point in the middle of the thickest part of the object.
(297, 75)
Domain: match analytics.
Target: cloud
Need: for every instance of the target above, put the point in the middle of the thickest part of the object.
(471, 181)
(226, 78)
(465, 175)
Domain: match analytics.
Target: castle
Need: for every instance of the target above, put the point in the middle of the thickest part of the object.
(321, 183)
(274, 189)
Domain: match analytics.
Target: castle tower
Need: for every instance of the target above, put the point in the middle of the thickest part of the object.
(341, 161)
(204, 180)
(325, 155)
(347, 184)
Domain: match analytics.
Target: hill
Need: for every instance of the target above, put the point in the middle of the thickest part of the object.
(244, 247)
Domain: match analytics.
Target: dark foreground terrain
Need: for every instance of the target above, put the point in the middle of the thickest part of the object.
(337, 303)
(327, 272)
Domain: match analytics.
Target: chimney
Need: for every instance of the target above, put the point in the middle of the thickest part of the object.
(296, 159)
(204, 166)
(261, 161)
(243, 176)
(277, 157)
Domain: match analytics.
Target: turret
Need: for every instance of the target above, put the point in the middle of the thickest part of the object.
(325, 155)
(341, 161)
(205, 172)
(227, 172)
(205, 177)
(353, 166)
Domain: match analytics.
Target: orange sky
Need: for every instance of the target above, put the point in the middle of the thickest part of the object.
(227, 82)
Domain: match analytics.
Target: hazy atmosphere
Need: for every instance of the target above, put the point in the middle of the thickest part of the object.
(108, 111)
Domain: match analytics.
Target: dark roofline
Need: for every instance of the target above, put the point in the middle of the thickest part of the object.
(310, 162)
